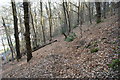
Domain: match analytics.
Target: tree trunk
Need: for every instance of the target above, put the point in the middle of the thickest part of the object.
(104, 9)
(67, 17)
(81, 19)
(16, 34)
(92, 10)
(22, 46)
(112, 8)
(79, 12)
(3, 44)
(107, 7)
(33, 26)
(42, 23)
(98, 10)
(27, 30)
(83, 13)
(8, 39)
(89, 9)
(4, 57)
(65, 14)
(50, 20)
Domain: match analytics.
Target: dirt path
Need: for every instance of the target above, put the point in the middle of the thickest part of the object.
(71, 59)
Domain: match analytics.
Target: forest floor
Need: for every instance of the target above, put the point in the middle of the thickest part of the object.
(72, 59)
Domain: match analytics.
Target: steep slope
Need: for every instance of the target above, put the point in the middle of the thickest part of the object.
(73, 59)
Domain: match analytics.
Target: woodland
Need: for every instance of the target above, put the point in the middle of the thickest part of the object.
(60, 39)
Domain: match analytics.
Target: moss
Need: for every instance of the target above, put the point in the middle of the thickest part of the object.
(88, 46)
(113, 42)
(94, 50)
(118, 36)
(92, 44)
(98, 21)
(115, 64)
(71, 37)
(95, 43)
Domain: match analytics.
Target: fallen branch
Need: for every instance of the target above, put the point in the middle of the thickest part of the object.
(36, 48)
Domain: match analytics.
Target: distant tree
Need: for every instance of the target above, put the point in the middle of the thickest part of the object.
(78, 12)
(27, 29)
(112, 8)
(50, 20)
(89, 9)
(8, 39)
(81, 19)
(48, 9)
(67, 16)
(22, 30)
(16, 33)
(104, 9)
(98, 10)
(3, 44)
(34, 31)
(41, 21)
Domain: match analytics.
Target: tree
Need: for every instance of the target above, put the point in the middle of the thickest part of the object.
(41, 21)
(16, 34)
(2, 40)
(50, 18)
(65, 7)
(98, 10)
(27, 30)
(22, 30)
(8, 39)
(89, 9)
(33, 26)
(78, 12)
(104, 9)
(112, 8)
(81, 19)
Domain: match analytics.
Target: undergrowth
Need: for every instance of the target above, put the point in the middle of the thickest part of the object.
(94, 50)
(71, 37)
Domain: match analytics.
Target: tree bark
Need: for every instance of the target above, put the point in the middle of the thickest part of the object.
(78, 12)
(67, 16)
(33, 26)
(8, 39)
(16, 34)
(50, 20)
(81, 19)
(98, 10)
(22, 46)
(3, 44)
(27, 30)
(89, 9)
(41, 21)
(104, 9)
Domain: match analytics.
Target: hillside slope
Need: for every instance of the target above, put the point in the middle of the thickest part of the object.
(72, 59)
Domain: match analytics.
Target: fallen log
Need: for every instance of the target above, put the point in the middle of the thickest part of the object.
(38, 47)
